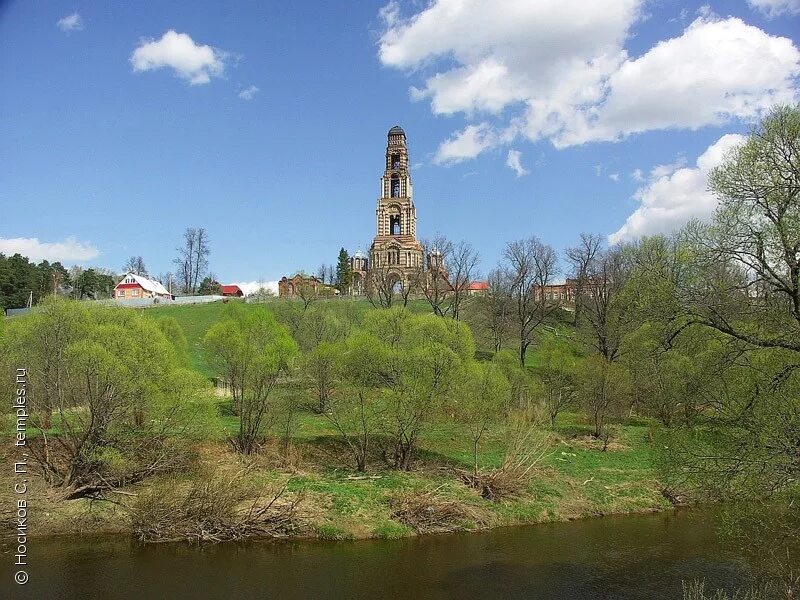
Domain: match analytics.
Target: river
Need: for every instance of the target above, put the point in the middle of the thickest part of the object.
(626, 557)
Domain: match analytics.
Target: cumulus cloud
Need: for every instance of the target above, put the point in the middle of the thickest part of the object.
(194, 62)
(466, 144)
(637, 175)
(715, 71)
(614, 177)
(250, 287)
(674, 195)
(513, 161)
(72, 22)
(520, 68)
(776, 8)
(70, 250)
(248, 93)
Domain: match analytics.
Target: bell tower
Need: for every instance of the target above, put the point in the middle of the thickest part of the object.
(395, 245)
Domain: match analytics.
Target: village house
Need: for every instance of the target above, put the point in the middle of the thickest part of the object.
(232, 290)
(135, 287)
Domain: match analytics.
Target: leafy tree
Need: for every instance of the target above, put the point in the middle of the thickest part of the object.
(604, 388)
(344, 272)
(423, 357)
(481, 401)
(252, 351)
(209, 286)
(356, 411)
(323, 364)
(117, 405)
(746, 279)
(557, 367)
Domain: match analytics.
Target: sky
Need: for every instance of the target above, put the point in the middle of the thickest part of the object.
(121, 124)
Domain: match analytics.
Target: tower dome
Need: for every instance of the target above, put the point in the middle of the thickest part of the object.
(397, 130)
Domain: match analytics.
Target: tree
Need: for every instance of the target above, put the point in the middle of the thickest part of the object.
(604, 388)
(192, 261)
(498, 308)
(747, 266)
(606, 312)
(380, 285)
(445, 280)
(344, 272)
(356, 411)
(481, 401)
(109, 409)
(423, 356)
(209, 286)
(530, 268)
(557, 369)
(252, 351)
(581, 258)
(135, 265)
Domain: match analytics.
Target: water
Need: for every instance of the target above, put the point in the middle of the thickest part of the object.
(631, 557)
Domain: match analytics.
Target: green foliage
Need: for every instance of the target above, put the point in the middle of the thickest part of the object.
(252, 350)
(344, 273)
(111, 384)
(173, 331)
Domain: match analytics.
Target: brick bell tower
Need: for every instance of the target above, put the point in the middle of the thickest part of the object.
(395, 246)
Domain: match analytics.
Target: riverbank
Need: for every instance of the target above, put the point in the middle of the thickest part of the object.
(577, 479)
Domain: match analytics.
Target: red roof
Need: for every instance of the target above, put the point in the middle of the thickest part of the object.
(479, 286)
(231, 290)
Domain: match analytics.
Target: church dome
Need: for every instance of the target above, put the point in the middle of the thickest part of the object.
(359, 254)
(397, 130)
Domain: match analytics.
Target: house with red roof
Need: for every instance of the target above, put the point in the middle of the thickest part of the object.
(231, 290)
(477, 288)
(136, 287)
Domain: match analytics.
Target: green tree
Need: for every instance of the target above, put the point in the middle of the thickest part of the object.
(344, 272)
(482, 397)
(112, 387)
(604, 388)
(746, 278)
(252, 351)
(356, 410)
(557, 368)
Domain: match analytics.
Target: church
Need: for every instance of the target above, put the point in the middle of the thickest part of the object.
(395, 249)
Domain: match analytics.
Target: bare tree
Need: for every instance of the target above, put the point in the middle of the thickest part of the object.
(606, 313)
(135, 265)
(380, 284)
(192, 261)
(445, 280)
(498, 307)
(580, 258)
(530, 268)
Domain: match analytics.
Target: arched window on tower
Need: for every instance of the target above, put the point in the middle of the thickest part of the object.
(394, 225)
(395, 162)
(395, 186)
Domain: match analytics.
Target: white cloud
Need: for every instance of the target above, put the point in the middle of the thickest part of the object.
(717, 70)
(637, 175)
(513, 161)
(674, 195)
(70, 250)
(248, 93)
(614, 177)
(179, 52)
(250, 287)
(776, 8)
(532, 69)
(466, 144)
(72, 22)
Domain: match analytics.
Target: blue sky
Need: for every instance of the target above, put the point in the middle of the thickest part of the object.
(535, 117)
